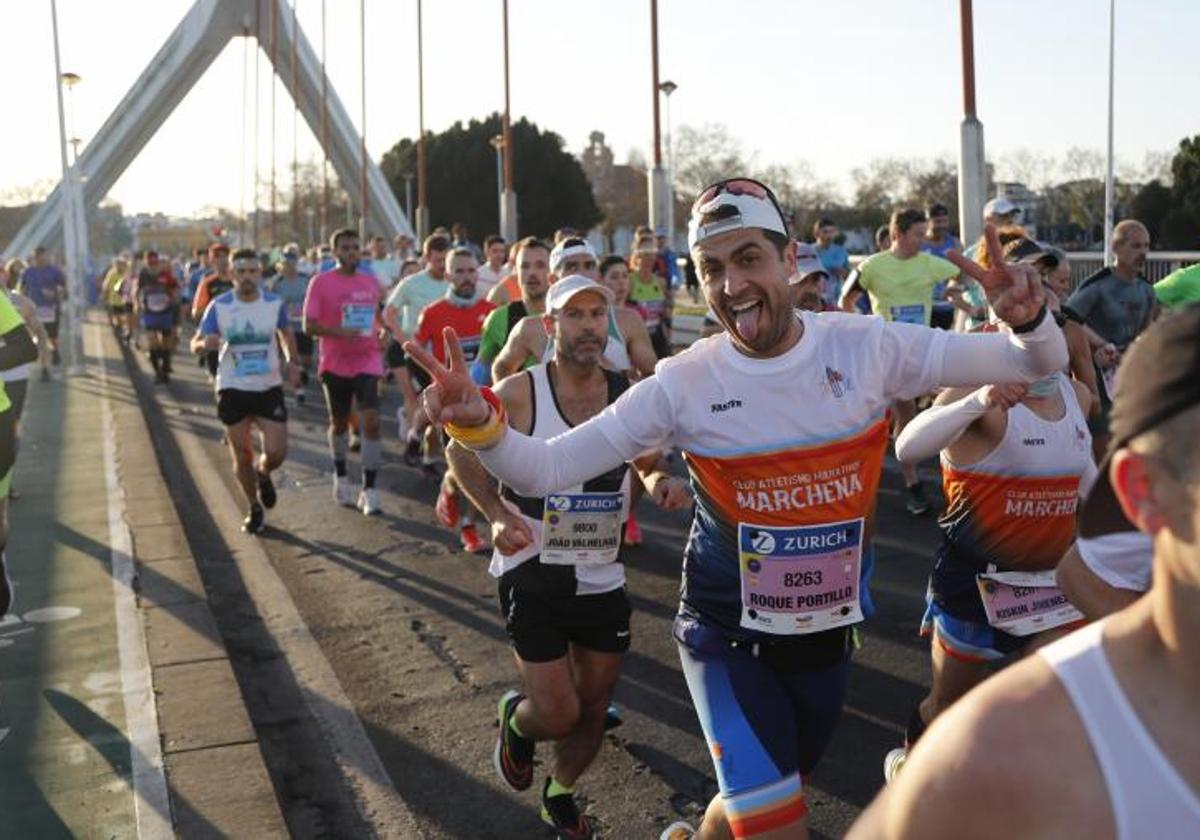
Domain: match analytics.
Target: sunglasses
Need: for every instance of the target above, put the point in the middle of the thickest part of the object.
(735, 186)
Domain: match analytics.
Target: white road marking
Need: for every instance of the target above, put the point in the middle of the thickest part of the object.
(151, 802)
(378, 802)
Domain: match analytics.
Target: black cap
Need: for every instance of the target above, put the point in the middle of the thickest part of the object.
(1159, 378)
(1026, 250)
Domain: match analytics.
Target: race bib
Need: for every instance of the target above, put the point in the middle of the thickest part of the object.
(251, 362)
(1024, 603)
(47, 314)
(581, 529)
(358, 316)
(295, 311)
(800, 579)
(158, 301)
(911, 314)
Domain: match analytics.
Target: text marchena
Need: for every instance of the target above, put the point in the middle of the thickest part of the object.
(801, 496)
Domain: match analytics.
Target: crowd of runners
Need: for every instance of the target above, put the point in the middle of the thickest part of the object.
(540, 384)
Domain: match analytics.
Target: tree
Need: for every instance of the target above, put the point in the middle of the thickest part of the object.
(704, 155)
(461, 164)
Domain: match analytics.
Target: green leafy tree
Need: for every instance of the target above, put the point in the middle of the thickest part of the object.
(552, 190)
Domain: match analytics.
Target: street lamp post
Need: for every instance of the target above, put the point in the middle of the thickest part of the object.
(422, 219)
(659, 197)
(70, 217)
(497, 143)
(668, 87)
(1108, 175)
(971, 174)
(508, 197)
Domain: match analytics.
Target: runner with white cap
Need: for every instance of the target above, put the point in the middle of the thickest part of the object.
(781, 420)
(557, 558)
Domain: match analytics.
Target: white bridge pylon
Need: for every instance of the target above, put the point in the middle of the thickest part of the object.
(183, 59)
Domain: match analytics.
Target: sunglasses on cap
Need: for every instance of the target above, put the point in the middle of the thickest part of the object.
(735, 186)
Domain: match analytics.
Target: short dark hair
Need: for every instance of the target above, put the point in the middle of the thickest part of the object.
(492, 240)
(435, 242)
(532, 242)
(609, 261)
(246, 254)
(824, 221)
(937, 209)
(461, 251)
(905, 217)
(342, 233)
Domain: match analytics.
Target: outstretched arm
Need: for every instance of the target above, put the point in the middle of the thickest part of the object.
(531, 466)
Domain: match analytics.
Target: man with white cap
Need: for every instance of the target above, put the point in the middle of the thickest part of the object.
(1098, 735)
(557, 558)
(808, 283)
(782, 424)
(628, 348)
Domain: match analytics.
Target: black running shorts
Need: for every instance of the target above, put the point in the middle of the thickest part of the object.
(343, 392)
(540, 628)
(420, 378)
(395, 356)
(304, 343)
(234, 406)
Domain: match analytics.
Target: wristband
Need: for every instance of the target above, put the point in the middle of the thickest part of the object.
(489, 433)
(1030, 326)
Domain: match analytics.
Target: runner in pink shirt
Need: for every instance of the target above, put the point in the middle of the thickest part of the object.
(342, 310)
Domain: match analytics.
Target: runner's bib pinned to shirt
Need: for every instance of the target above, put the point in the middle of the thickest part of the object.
(358, 316)
(581, 529)
(910, 314)
(1024, 603)
(47, 314)
(800, 579)
(250, 361)
(158, 301)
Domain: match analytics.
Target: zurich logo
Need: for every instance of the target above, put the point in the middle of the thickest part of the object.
(558, 502)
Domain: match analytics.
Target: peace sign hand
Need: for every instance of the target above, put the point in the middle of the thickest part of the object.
(452, 397)
(1014, 290)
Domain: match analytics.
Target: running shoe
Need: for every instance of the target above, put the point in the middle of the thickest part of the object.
(678, 831)
(299, 398)
(368, 502)
(266, 490)
(254, 521)
(355, 442)
(412, 451)
(446, 508)
(612, 717)
(6, 591)
(633, 531)
(472, 543)
(429, 466)
(915, 500)
(513, 756)
(893, 763)
(561, 813)
(343, 493)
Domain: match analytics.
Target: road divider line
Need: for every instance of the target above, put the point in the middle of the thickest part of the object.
(152, 804)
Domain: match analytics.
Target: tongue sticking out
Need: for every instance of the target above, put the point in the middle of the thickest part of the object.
(747, 322)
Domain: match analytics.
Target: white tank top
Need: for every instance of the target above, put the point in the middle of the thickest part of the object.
(1035, 446)
(1149, 798)
(549, 422)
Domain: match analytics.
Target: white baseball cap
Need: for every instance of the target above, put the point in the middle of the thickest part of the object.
(999, 206)
(560, 293)
(734, 204)
(807, 262)
(572, 246)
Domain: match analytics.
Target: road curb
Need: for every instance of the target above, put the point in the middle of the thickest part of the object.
(202, 722)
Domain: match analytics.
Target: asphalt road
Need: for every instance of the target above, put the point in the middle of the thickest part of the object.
(410, 625)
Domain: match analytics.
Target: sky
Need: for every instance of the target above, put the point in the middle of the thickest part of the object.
(831, 84)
